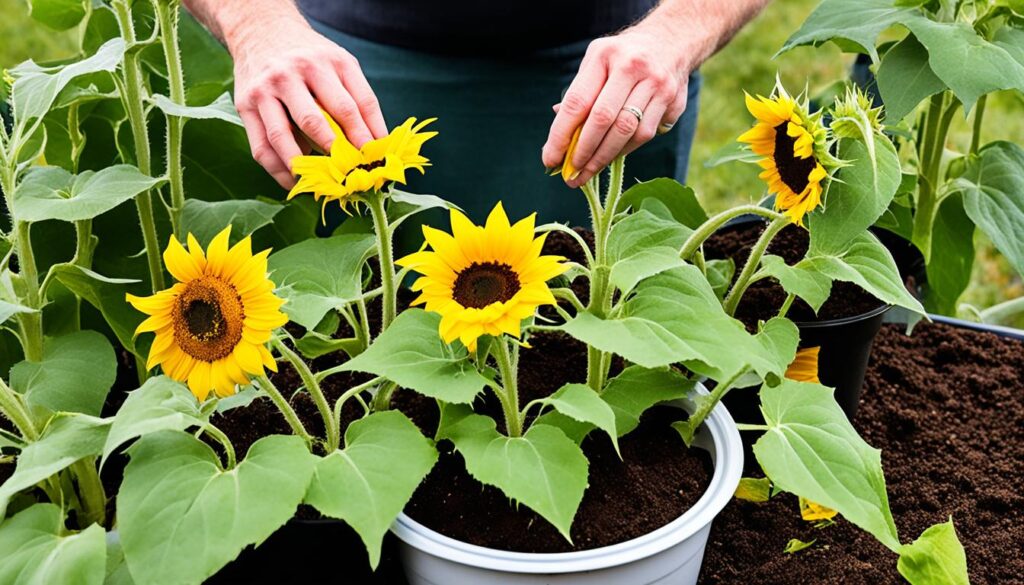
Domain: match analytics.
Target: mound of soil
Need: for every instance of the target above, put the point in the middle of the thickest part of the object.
(763, 299)
(945, 407)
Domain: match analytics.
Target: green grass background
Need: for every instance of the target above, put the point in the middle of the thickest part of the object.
(745, 64)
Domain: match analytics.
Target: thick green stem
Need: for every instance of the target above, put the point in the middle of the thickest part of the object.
(229, 449)
(509, 393)
(710, 226)
(979, 116)
(787, 304)
(30, 324)
(84, 243)
(311, 384)
(167, 15)
(385, 256)
(355, 390)
(705, 406)
(13, 408)
(382, 399)
(286, 409)
(363, 331)
(925, 204)
(90, 491)
(753, 261)
(133, 91)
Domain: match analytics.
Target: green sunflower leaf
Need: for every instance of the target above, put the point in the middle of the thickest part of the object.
(543, 469)
(160, 404)
(580, 403)
(637, 389)
(812, 450)
(182, 517)
(412, 354)
(75, 374)
(403, 205)
(858, 23)
(679, 199)
(935, 558)
(221, 108)
(8, 310)
(57, 14)
(36, 548)
(642, 245)
(205, 219)
(107, 296)
(812, 287)
(53, 193)
(720, 274)
(36, 88)
(952, 256)
(993, 196)
(67, 439)
(368, 483)
(320, 275)
(905, 79)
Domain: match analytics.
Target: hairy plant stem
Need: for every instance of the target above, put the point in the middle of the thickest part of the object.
(14, 409)
(979, 116)
(704, 231)
(708, 404)
(508, 395)
(30, 324)
(786, 304)
(732, 300)
(925, 204)
(90, 491)
(132, 92)
(167, 16)
(311, 384)
(382, 399)
(229, 449)
(353, 391)
(286, 409)
(385, 257)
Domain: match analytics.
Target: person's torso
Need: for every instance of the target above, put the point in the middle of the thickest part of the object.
(475, 27)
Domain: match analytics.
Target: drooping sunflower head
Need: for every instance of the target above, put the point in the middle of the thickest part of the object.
(348, 171)
(212, 326)
(794, 144)
(483, 280)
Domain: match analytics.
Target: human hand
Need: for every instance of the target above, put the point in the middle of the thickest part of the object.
(634, 69)
(284, 72)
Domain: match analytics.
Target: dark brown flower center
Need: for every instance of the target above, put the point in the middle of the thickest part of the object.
(208, 317)
(793, 169)
(371, 165)
(483, 284)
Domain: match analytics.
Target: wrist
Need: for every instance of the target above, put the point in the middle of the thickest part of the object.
(245, 29)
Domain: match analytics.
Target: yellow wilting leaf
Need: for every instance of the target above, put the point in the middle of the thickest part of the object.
(811, 511)
(805, 366)
(796, 545)
(754, 489)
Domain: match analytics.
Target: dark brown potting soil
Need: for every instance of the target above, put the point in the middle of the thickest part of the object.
(946, 407)
(763, 299)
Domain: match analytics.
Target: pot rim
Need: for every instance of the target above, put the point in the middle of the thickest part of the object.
(843, 320)
(728, 466)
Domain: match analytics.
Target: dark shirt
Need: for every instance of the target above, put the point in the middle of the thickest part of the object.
(473, 27)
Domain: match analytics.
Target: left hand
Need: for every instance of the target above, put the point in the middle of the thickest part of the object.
(637, 68)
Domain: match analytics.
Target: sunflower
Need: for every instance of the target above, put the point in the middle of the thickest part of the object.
(212, 326)
(483, 280)
(794, 144)
(348, 170)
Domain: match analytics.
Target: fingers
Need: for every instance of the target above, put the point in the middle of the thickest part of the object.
(262, 151)
(573, 110)
(363, 96)
(676, 108)
(648, 128)
(306, 114)
(279, 130)
(336, 100)
(603, 115)
(618, 134)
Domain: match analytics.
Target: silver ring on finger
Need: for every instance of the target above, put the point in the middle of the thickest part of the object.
(635, 111)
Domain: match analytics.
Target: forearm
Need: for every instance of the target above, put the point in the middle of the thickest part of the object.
(699, 28)
(235, 22)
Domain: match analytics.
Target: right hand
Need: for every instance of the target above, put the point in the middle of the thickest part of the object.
(282, 73)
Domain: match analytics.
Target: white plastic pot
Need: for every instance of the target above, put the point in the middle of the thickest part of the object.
(671, 555)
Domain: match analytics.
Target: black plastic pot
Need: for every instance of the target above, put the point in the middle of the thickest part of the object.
(312, 551)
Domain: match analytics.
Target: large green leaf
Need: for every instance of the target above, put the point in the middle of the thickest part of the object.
(67, 439)
(543, 469)
(57, 14)
(107, 295)
(75, 374)
(868, 264)
(993, 191)
(53, 193)
(37, 550)
(412, 354)
(221, 108)
(368, 483)
(320, 275)
(905, 78)
(642, 245)
(859, 197)
(812, 450)
(204, 220)
(160, 404)
(935, 558)
(182, 517)
(811, 286)
(218, 162)
(580, 403)
(403, 205)
(35, 88)
(857, 22)
(636, 389)
(952, 256)
(964, 60)
(679, 199)
(675, 317)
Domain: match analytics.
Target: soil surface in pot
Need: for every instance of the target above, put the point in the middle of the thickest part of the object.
(763, 299)
(946, 408)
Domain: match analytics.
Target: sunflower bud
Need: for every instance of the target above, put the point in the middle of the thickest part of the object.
(853, 115)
